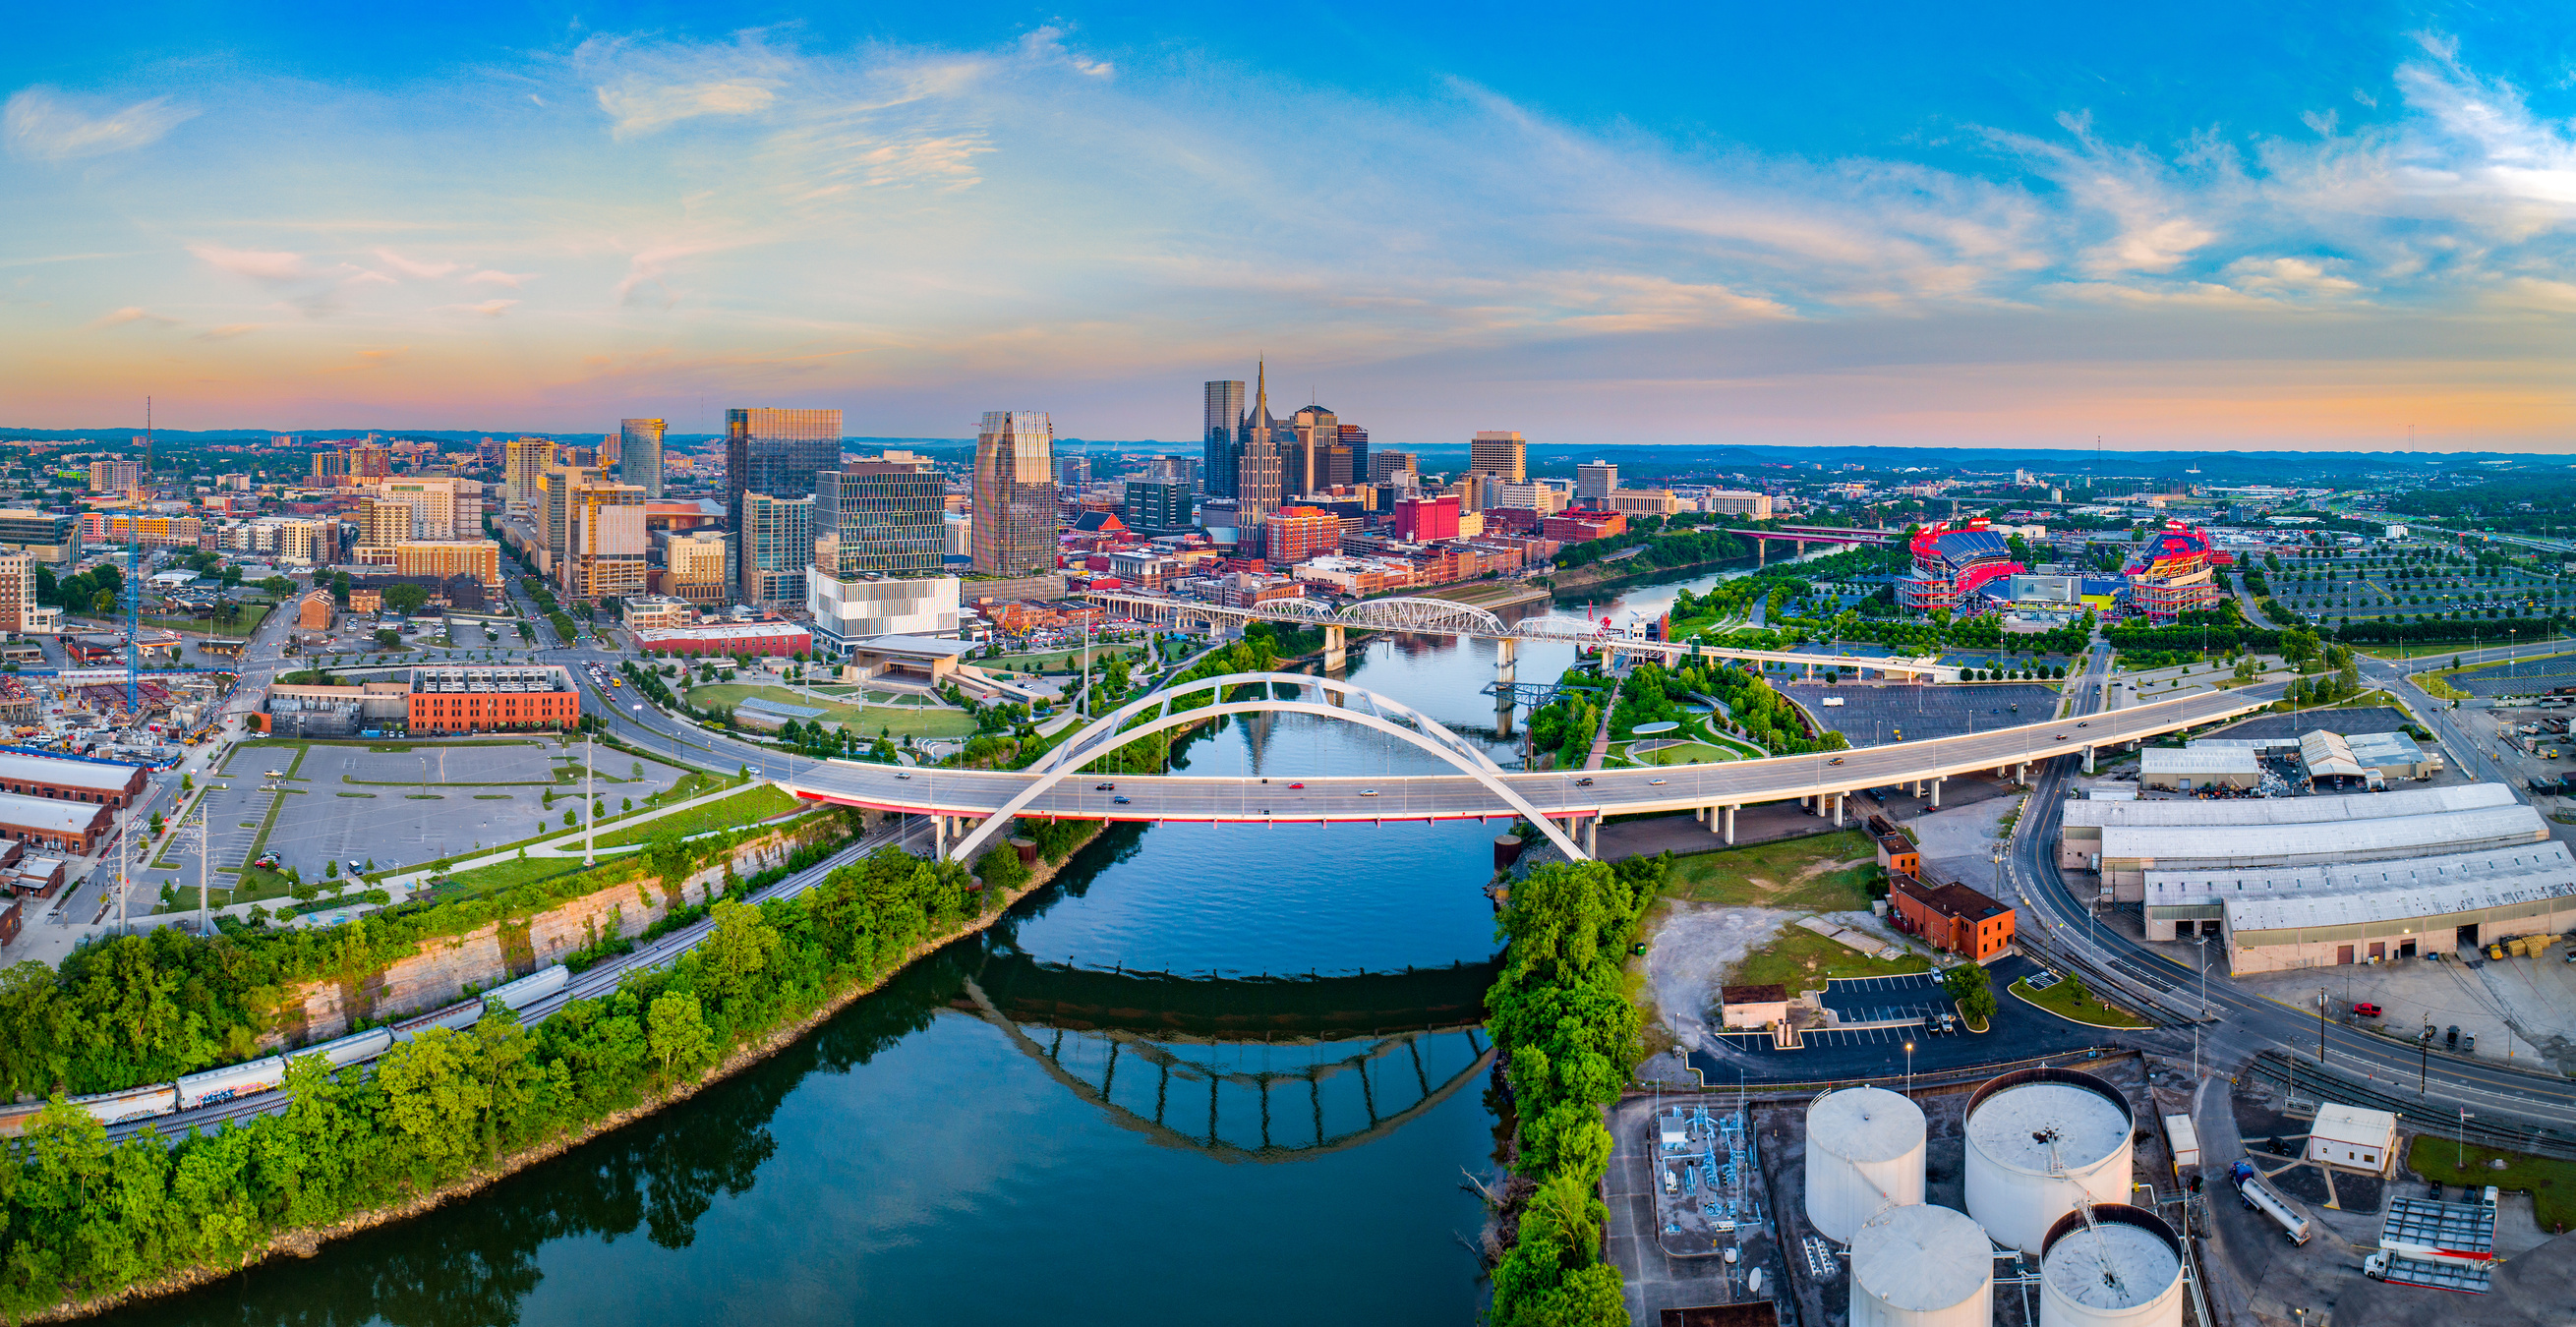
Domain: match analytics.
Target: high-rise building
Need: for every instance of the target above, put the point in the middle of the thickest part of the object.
(115, 476)
(50, 537)
(1014, 488)
(1295, 534)
(694, 567)
(382, 523)
(1356, 439)
(330, 469)
(1258, 474)
(478, 558)
(1154, 505)
(1218, 434)
(524, 460)
(880, 517)
(776, 549)
(1073, 472)
(370, 460)
(1427, 519)
(442, 506)
(1383, 466)
(639, 454)
(18, 611)
(1182, 470)
(554, 504)
(774, 452)
(604, 542)
(1317, 432)
(1499, 453)
(1595, 480)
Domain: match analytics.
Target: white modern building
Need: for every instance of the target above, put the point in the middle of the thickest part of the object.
(848, 611)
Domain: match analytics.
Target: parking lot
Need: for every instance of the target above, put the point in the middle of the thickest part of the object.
(2519, 678)
(418, 802)
(2019, 1030)
(2377, 719)
(1877, 713)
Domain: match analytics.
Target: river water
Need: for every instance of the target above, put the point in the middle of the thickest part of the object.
(1211, 1072)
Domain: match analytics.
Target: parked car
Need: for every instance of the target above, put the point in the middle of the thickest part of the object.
(2365, 1009)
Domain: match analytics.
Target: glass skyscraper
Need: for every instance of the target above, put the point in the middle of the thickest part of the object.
(639, 454)
(1014, 493)
(1223, 416)
(884, 517)
(776, 453)
(776, 538)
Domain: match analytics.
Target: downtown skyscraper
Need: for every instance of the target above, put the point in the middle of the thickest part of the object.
(776, 453)
(1014, 487)
(639, 454)
(1221, 418)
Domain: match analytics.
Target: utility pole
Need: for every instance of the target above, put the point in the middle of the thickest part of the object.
(205, 831)
(589, 804)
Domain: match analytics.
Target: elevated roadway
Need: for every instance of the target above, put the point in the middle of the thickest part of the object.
(1575, 800)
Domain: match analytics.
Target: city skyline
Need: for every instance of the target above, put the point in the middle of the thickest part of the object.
(2320, 237)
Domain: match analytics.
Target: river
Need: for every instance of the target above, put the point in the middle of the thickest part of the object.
(1025, 1127)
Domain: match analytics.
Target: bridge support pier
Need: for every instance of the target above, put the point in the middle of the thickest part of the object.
(1592, 837)
(2088, 760)
(2021, 772)
(1936, 792)
(1506, 671)
(1335, 658)
(1838, 810)
(1730, 827)
(1700, 814)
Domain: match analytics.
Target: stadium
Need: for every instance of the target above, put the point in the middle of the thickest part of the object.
(1952, 563)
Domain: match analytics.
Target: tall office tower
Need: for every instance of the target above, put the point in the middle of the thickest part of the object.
(1258, 462)
(1595, 481)
(552, 512)
(1356, 438)
(1182, 470)
(1218, 433)
(776, 549)
(1153, 505)
(778, 453)
(442, 506)
(1499, 454)
(383, 523)
(1014, 493)
(523, 460)
(1317, 432)
(604, 542)
(639, 454)
(1383, 466)
(886, 518)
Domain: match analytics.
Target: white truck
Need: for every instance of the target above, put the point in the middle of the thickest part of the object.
(2184, 1140)
(2260, 1196)
(2439, 1246)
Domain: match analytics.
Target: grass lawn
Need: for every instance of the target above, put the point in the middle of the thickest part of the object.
(1820, 873)
(206, 626)
(1064, 661)
(906, 722)
(2059, 999)
(1802, 960)
(2551, 1184)
(503, 875)
(1688, 753)
(743, 808)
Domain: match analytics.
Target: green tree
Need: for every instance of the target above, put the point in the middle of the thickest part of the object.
(406, 598)
(1973, 988)
(435, 1097)
(677, 1036)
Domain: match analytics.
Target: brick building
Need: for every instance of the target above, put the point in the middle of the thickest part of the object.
(477, 700)
(59, 826)
(729, 639)
(70, 780)
(1953, 917)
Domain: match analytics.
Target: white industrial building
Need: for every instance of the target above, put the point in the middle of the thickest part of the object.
(2352, 1138)
(2196, 767)
(2080, 830)
(2129, 852)
(2361, 912)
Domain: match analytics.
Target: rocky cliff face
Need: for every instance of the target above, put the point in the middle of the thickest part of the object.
(444, 969)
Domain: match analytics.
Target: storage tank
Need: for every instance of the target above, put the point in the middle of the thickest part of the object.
(1921, 1266)
(2125, 1270)
(2036, 1137)
(1864, 1153)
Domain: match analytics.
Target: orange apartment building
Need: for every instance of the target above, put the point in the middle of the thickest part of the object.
(1953, 917)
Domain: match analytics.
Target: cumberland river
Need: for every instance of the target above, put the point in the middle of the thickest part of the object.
(1107, 1109)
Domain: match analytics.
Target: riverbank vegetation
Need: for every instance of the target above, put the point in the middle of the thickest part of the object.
(82, 1218)
(1569, 1039)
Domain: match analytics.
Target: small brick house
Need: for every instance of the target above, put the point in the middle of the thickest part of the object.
(1952, 917)
(1743, 1007)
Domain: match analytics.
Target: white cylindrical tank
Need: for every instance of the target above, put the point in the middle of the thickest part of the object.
(2037, 1137)
(1864, 1153)
(2124, 1270)
(1921, 1266)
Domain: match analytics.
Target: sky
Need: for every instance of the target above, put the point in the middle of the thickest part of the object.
(2198, 225)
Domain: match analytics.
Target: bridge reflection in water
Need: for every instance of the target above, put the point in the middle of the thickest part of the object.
(1244, 1069)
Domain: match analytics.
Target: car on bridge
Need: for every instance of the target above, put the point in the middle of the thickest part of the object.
(1106, 788)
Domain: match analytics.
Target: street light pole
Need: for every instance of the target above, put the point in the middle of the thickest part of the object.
(1909, 1068)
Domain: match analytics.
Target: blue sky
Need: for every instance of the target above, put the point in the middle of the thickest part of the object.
(2206, 226)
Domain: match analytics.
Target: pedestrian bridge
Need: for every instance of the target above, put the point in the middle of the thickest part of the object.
(970, 808)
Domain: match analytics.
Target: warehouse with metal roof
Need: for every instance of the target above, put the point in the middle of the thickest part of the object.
(2080, 830)
(2360, 913)
(2129, 852)
(2182, 904)
(2193, 768)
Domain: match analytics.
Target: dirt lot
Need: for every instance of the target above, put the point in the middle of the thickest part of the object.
(2519, 1009)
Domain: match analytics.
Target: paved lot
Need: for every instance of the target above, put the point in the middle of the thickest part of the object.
(2519, 679)
(1874, 713)
(2019, 1031)
(355, 803)
(2379, 719)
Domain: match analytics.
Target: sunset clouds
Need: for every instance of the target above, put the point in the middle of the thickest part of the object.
(559, 232)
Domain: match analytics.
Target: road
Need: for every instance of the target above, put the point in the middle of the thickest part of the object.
(2241, 1022)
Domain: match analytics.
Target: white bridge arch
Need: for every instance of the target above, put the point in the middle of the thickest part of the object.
(1394, 718)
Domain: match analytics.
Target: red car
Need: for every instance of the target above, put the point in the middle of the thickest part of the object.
(1296, 785)
(2365, 1010)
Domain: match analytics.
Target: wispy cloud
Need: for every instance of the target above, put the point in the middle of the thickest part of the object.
(416, 268)
(228, 331)
(130, 315)
(488, 277)
(41, 125)
(490, 308)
